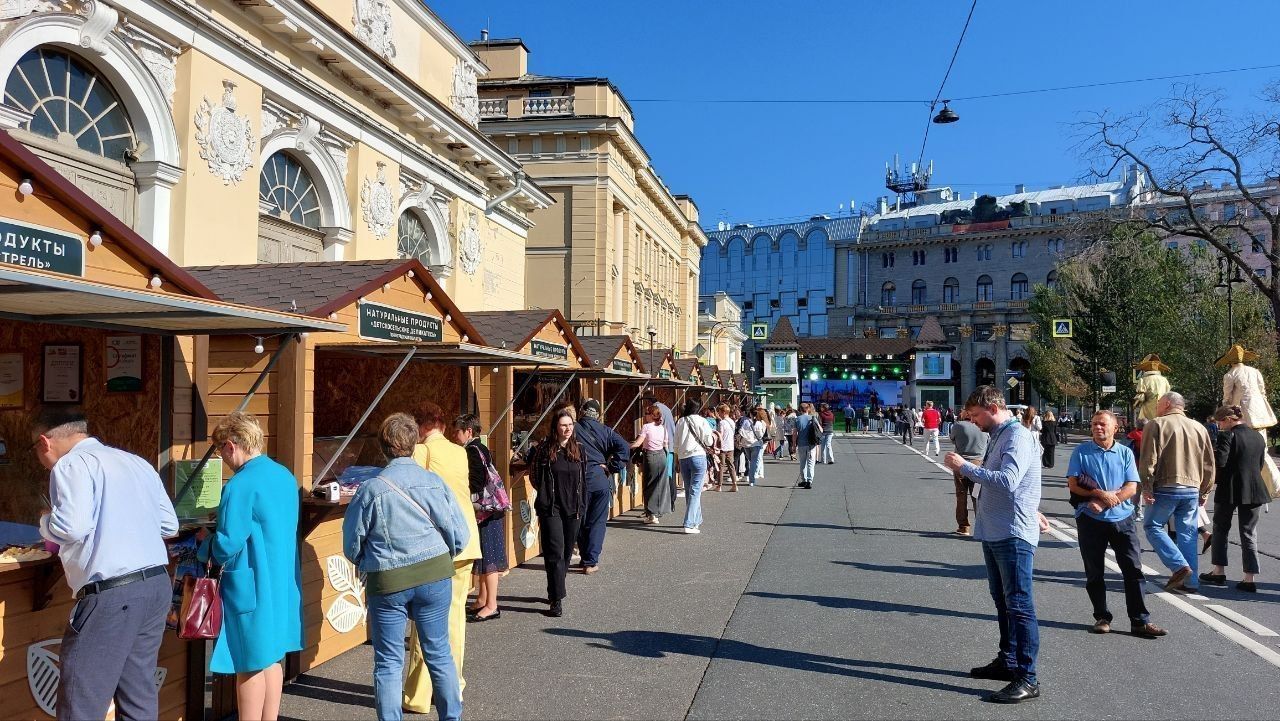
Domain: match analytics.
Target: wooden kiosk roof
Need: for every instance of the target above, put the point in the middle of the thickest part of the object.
(543, 336)
(348, 290)
(61, 277)
(688, 370)
(614, 356)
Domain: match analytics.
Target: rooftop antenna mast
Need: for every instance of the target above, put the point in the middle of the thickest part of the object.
(907, 184)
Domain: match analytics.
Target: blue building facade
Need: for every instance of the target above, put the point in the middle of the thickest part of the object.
(776, 271)
(780, 271)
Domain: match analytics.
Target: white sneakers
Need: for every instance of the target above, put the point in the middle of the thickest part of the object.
(691, 530)
(651, 520)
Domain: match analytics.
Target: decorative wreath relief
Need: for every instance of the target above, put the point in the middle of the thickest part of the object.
(372, 21)
(348, 609)
(44, 675)
(469, 248)
(225, 139)
(377, 203)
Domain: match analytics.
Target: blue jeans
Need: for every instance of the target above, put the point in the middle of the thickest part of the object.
(1009, 566)
(1181, 506)
(807, 463)
(428, 606)
(755, 457)
(828, 455)
(694, 472)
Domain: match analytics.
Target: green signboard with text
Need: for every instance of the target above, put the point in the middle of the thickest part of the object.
(40, 248)
(543, 349)
(396, 325)
(621, 365)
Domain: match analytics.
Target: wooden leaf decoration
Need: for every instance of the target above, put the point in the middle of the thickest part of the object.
(342, 575)
(43, 674)
(346, 612)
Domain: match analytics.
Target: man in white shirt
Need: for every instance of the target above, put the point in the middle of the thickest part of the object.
(110, 515)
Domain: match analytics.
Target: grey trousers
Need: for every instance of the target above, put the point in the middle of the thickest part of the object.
(110, 649)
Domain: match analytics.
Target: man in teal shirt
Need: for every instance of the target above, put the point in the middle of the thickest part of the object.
(1103, 479)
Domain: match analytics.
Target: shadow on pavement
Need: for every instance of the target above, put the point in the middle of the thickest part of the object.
(830, 526)
(659, 644)
(862, 604)
(908, 531)
(331, 690)
(969, 572)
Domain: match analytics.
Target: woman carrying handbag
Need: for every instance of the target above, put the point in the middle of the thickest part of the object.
(256, 544)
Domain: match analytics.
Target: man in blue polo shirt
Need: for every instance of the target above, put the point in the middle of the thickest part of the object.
(1103, 479)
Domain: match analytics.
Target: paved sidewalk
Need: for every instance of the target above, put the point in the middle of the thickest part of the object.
(853, 600)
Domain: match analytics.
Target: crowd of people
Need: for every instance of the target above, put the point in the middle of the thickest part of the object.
(998, 461)
(421, 532)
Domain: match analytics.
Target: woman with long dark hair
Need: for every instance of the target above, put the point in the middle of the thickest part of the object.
(492, 526)
(558, 474)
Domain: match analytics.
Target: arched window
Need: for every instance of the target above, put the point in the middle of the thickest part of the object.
(888, 294)
(1018, 287)
(412, 240)
(288, 190)
(70, 102)
(950, 291)
(1051, 280)
(919, 290)
(985, 289)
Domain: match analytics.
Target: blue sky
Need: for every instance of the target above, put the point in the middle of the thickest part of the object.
(767, 162)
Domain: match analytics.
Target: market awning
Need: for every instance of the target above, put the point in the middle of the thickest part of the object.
(445, 353)
(40, 297)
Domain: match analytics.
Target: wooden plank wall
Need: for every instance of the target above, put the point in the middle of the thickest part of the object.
(23, 627)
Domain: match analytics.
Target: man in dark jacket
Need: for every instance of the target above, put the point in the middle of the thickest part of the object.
(606, 454)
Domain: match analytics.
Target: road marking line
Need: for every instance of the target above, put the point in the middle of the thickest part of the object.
(1197, 597)
(1259, 649)
(1257, 628)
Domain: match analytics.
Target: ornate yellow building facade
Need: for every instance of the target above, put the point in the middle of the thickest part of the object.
(275, 131)
(617, 251)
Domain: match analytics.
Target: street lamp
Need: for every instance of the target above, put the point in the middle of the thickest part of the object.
(653, 333)
(753, 382)
(1228, 279)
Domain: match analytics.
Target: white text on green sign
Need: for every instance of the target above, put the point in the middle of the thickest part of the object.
(396, 325)
(543, 349)
(621, 365)
(33, 246)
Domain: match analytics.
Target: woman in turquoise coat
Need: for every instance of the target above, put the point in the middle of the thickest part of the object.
(256, 543)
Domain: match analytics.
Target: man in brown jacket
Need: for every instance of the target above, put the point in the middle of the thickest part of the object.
(1177, 473)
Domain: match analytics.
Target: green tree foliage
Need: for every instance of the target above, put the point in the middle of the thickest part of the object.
(1129, 295)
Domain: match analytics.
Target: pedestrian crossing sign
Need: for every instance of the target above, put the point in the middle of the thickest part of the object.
(759, 331)
(1061, 327)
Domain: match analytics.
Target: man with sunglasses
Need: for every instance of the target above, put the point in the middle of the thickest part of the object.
(109, 514)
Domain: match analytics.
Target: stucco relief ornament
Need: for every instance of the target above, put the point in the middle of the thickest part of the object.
(225, 139)
(377, 204)
(469, 249)
(466, 99)
(372, 22)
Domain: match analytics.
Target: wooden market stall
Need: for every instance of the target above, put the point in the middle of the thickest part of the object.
(325, 399)
(690, 372)
(548, 378)
(93, 315)
(616, 377)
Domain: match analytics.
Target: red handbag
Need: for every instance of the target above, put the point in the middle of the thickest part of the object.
(201, 615)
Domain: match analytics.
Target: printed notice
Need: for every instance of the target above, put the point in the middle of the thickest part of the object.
(204, 495)
(62, 374)
(11, 381)
(124, 363)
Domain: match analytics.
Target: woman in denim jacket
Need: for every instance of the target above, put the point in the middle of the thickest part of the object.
(402, 530)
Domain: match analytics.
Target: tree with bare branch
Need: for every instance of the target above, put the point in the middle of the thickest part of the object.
(1210, 175)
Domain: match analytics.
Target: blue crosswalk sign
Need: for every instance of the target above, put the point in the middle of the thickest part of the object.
(1062, 328)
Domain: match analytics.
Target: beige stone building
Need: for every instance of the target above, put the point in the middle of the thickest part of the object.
(617, 252)
(274, 130)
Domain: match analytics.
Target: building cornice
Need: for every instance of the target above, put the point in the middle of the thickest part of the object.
(443, 33)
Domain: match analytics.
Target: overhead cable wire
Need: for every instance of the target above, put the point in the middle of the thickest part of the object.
(942, 86)
(988, 96)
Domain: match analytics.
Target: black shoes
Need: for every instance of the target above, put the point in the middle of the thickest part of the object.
(804, 484)
(1016, 692)
(1247, 586)
(994, 671)
(556, 610)
(1214, 579)
(477, 618)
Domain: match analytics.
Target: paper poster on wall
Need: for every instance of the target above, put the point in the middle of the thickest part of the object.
(124, 363)
(62, 374)
(204, 495)
(11, 381)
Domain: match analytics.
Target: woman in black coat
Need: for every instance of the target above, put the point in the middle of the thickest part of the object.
(1238, 451)
(1048, 438)
(558, 473)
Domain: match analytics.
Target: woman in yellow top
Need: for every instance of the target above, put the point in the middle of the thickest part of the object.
(447, 459)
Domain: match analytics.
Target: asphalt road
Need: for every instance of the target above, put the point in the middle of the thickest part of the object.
(852, 600)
